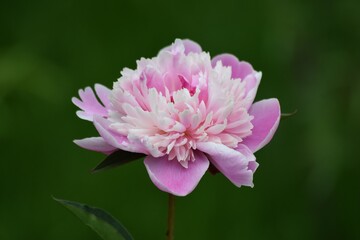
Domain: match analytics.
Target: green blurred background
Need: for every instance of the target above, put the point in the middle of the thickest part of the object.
(307, 185)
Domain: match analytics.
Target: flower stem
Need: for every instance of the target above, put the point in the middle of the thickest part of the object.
(171, 216)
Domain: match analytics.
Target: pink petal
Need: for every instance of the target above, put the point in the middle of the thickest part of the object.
(191, 46)
(239, 69)
(89, 104)
(236, 166)
(169, 176)
(266, 120)
(187, 44)
(252, 84)
(97, 144)
(243, 149)
(114, 139)
(244, 71)
(104, 94)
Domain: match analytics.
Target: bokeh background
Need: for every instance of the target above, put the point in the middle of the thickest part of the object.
(307, 185)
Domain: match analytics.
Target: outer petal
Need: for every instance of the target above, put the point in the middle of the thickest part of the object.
(244, 71)
(191, 46)
(169, 176)
(104, 94)
(97, 144)
(90, 104)
(266, 120)
(114, 139)
(236, 166)
(239, 69)
(185, 45)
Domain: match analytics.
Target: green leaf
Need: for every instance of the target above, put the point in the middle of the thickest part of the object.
(116, 159)
(98, 220)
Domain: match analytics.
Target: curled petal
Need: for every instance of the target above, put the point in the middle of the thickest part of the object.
(244, 150)
(90, 105)
(170, 176)
(266, 120)
(237, 166)
(97, 144)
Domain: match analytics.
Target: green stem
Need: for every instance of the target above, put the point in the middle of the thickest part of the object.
(171, 217)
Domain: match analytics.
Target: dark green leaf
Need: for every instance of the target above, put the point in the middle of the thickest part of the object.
(116, 159)
(98, 220)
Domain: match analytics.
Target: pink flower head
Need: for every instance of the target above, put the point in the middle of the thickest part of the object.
(184, 111)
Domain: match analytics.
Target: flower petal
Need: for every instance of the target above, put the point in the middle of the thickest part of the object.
(97, 144)
(243, 149)
(266, 120)
(240, 69)
(104, 94)
(191, 46)
(244, 71)
(252, 84)
(236, 166)
(89, 104)
(183, 45)
(169, 176)
(116, 140)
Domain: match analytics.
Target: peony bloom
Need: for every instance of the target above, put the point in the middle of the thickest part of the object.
(186, 112)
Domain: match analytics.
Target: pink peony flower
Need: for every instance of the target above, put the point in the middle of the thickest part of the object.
(184, 111)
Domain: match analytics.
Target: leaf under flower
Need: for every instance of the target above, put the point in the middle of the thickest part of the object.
(105, 225)
(116, 159)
